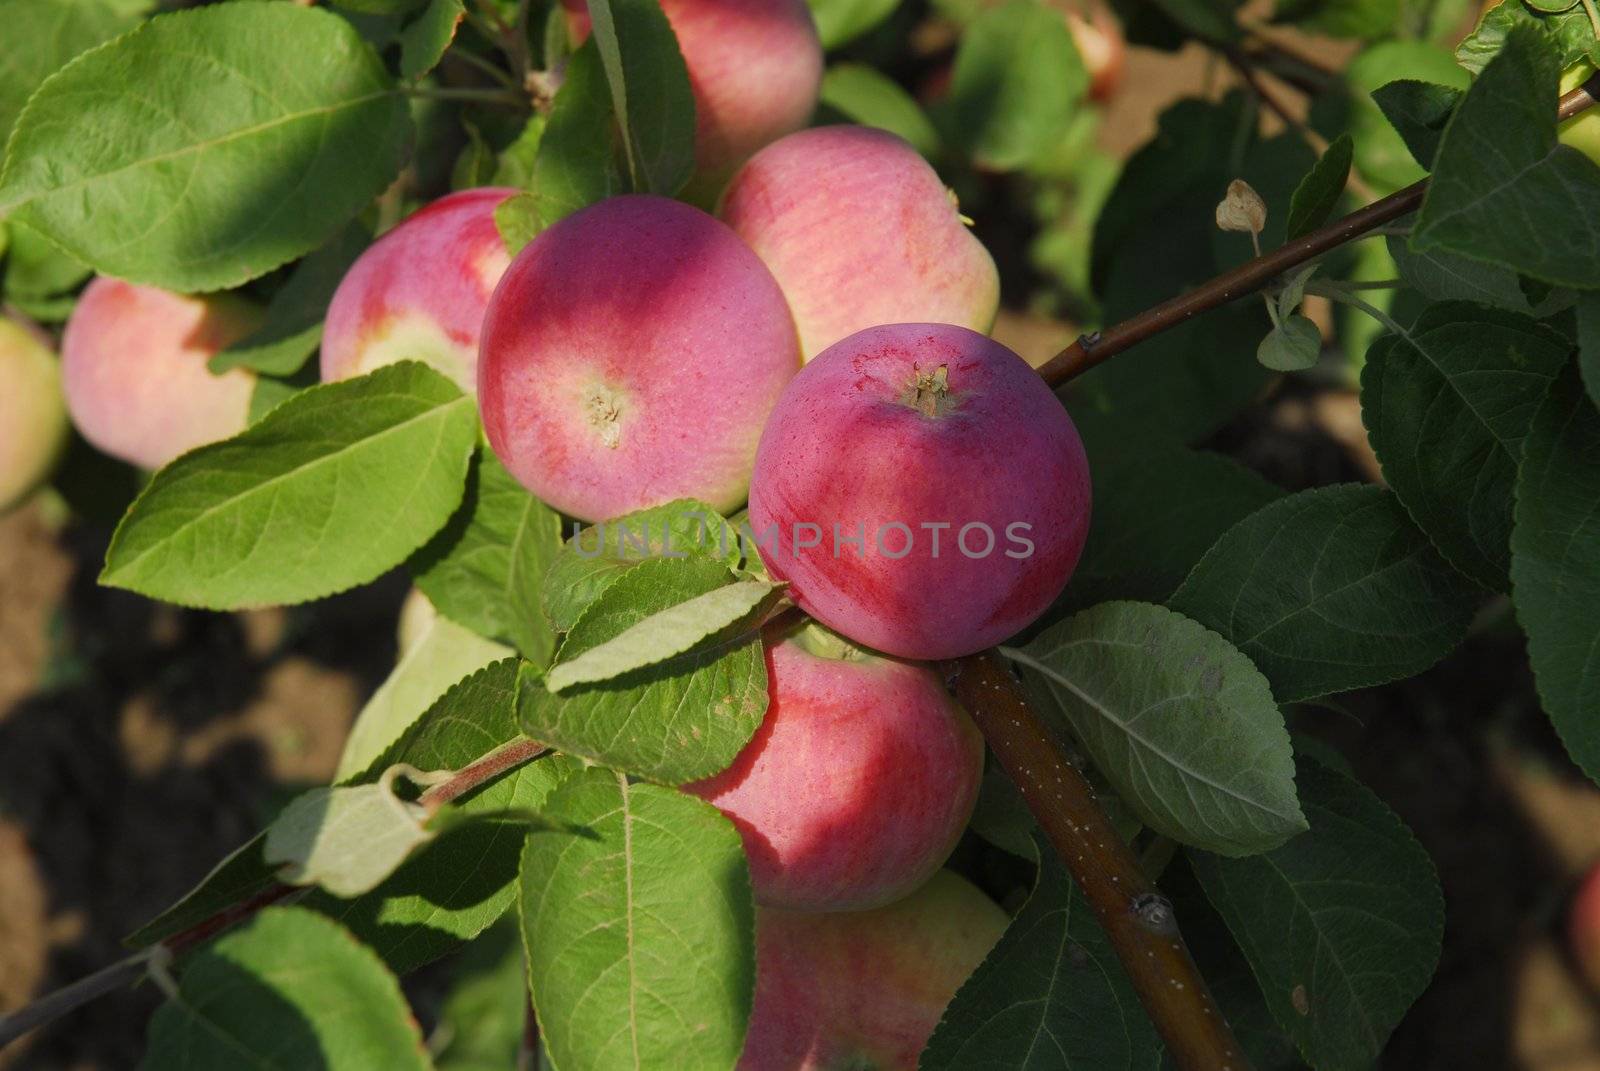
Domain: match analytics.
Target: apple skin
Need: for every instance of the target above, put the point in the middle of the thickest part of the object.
(419, 292)
(1582, 131)
(1583, 928)
(864, 989)
(133, 364)
(860, 231)
(33, 413)
(859, 781)
(630, 356)
(846, 447)
(755, 69)
(1098, 37)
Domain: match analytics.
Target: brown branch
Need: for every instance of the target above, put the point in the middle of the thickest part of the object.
(1092, 349)
(1138, 920)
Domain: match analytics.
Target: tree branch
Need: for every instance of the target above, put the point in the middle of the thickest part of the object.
(1092, 349)
(1138, 920)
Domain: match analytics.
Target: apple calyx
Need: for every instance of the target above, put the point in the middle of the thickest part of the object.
(929, 392)
(603, 407)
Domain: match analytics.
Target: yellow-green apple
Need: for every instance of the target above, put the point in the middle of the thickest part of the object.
(859, 781)
(630, 356)
(419, 292)
(133, 363)
(33, 415)
(864, 989)
(1582, 131)
(922, 491)
(755, 68)
(860, 231)
(1583, 928)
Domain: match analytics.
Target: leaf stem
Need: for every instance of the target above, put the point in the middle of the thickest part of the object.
(507, 97)
(1340, 292)
(472, 59)
(1138, 920)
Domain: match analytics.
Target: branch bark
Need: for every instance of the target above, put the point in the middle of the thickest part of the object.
(1100, 346)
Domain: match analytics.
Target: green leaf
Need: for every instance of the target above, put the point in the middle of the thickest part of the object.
(1418, 111)
(841, 21)
(1329, 590)
(465, 880)
(664, 635)
(240, 876)
(861, 95)
(200, 177)
(1342, 925)
(1589, 343)
(514, 165)
(487, 566)
(649, 91)
(1015, 86)
(1365, 19)
(1293, 346)
(678, 720)
(1318, 193)
(1051, 996)
(35, 268)
(424, 41)
(272, 391)
(1210, 20)
(329, 490)
(1504, 190)
(597, 556)
(1446, 406)
(641, 943)
(443, 654)
(1570, 31)
(293, 991)
(1555, 564)
(1445, 276)
(346, 839)
(293, 327)
(41, 37)
(1180, 723)
(379, 7)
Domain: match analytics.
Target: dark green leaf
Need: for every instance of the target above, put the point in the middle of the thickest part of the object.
(649, 91)
(1329, 590)
(1443, 276)
(1342, 925)
(1210, 20)
(198, 176)
(1555, 563)
(1418, 111)
(1365, 19)
(1318, 193)
(1589, 342)
(482, 1020)
(423, 43)
(862, 95)
(1446, 406)
(242, 875)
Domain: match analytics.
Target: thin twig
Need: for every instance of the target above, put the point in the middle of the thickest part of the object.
(69, 998)
(1138, 920)
(1099, 346)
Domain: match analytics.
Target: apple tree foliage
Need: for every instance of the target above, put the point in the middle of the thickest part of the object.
(258, 145)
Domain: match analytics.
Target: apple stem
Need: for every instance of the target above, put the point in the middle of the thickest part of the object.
(1137, 919)
(1251, 276)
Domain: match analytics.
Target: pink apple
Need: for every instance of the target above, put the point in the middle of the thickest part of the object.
(1583, 928)
(860, 231)
(858, 783)
(419, 292)
(133, 362)
(755, 67)
(1098, 36)
(630, 356)
(864, 989)
(33, 415)
(921, 490)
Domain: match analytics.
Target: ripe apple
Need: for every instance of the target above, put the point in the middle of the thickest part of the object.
(859, 781)
(33, 415)
(921, 490)
(630, 356)
(864, 989)
(1098, 37)
(860, 231)
(419, 292)
(755, 68)
(133, 362)
(1582, 131)
(1583, 928)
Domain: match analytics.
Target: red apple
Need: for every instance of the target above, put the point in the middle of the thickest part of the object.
(33, 415)
(133, 363)
(1098, 36)
(419, 292)
(755, 68)
(1583, 928)
(864, 989)
(630, 356)
(860, 231)
(858, 783)
(922, 491)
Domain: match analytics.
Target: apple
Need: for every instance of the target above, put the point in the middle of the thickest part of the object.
(1098, 37)
(1582, 131)
(630, 356)
(133, 363)
(419, 292)
(864, 989)
(860, 231)
(755, 68)
(922, 491)
(859, 781)
(1583, 928)
(33, 414)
